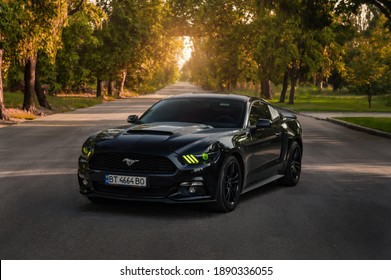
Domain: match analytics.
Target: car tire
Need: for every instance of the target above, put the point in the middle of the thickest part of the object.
(229, 186)
(293, 167)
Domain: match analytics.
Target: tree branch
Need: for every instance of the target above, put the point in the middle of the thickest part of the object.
(383, 5)
(77, 8)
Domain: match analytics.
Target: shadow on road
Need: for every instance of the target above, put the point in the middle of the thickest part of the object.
(164, 210)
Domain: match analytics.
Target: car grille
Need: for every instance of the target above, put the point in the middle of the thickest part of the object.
(145, 163)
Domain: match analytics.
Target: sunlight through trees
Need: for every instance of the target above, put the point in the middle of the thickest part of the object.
(112, 47)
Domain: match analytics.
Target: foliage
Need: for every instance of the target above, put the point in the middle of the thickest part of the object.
(222, 43)
(71, 71)
(354, 7)
(142, 49)
(137, 43)
(369, 60)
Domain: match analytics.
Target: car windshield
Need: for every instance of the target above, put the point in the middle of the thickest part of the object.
(215, 112)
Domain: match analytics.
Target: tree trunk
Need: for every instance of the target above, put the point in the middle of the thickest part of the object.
(3, 115)
(319, 81)
(370, 97)
(219, 83)
(123, 79)
(110, 88)
(29, 84)
(266, 89)
(284, 87)
(293, 87)
(99, 87)
(38, 89)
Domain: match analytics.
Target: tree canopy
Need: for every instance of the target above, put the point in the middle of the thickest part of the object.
(71, 45)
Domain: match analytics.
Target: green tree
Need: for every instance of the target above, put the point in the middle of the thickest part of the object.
(72, 70)
(3, 115)
(220, 31)
(353, 6)
(143, 50)
(369, 60)
(41, 24)
(309, 42)
(9, 36)
(117, 46)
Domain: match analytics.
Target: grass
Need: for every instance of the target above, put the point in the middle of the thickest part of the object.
(310, 99)
(64, 104)
(379, 123)
(59, 104)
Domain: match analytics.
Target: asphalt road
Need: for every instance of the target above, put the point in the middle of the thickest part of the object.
(341, 209)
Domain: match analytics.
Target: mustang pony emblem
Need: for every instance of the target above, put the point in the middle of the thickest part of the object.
(130, 162)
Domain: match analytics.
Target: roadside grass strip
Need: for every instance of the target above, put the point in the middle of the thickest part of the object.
(379, 123)
(59, 104)
(310, 99)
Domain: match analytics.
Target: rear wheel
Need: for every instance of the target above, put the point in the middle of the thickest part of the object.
(229, 186)
(293, 169)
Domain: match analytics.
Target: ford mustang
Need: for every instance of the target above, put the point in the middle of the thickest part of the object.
(191, 148)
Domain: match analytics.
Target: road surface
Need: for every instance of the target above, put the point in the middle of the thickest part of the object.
(341, 208)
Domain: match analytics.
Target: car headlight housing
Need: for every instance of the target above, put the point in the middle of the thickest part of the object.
(87, 151)
(211, 154)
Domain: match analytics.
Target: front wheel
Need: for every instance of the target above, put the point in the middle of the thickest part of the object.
(229, 186)
(293, 168)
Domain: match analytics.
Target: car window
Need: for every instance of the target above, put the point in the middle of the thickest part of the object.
(209, 111)
(258, 110)
(274, 113)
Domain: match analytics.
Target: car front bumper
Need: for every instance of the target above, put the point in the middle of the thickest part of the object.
(167, 188)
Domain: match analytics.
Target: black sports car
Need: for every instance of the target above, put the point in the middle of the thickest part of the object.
(194, 148)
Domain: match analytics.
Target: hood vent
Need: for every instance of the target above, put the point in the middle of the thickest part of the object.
(149, 132)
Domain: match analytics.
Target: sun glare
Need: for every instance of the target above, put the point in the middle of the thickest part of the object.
(186, 52)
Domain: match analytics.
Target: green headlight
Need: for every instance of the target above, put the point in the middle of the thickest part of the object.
(210, 155)
(87, 152)
(190, 159)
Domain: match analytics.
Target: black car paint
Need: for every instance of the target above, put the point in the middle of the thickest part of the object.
(261, 151)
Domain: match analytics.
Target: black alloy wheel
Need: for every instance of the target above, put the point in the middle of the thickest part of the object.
(293, 169)
(230, 185)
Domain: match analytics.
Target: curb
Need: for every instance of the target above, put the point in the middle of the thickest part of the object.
(360, 128)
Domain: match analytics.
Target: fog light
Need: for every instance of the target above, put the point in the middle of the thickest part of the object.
(192, 190)
(192, 187)
(85, 182)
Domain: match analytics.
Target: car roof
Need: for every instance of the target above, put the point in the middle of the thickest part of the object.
(212, 96)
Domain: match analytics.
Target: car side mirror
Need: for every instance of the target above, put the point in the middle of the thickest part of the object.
(263, 123)
(132, 118)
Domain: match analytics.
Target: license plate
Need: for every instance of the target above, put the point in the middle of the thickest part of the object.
(132, 181)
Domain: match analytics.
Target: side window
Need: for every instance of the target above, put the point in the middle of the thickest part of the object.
(274, 113)
(258, 111)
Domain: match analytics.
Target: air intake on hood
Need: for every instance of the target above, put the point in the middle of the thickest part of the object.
(149, 132)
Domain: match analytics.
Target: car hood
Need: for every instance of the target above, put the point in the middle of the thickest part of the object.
(158, 138)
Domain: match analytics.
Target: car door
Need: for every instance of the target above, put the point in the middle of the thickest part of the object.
(263, 145)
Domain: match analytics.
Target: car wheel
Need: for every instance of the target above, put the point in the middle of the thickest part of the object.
(293, 168)
(229, 186)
